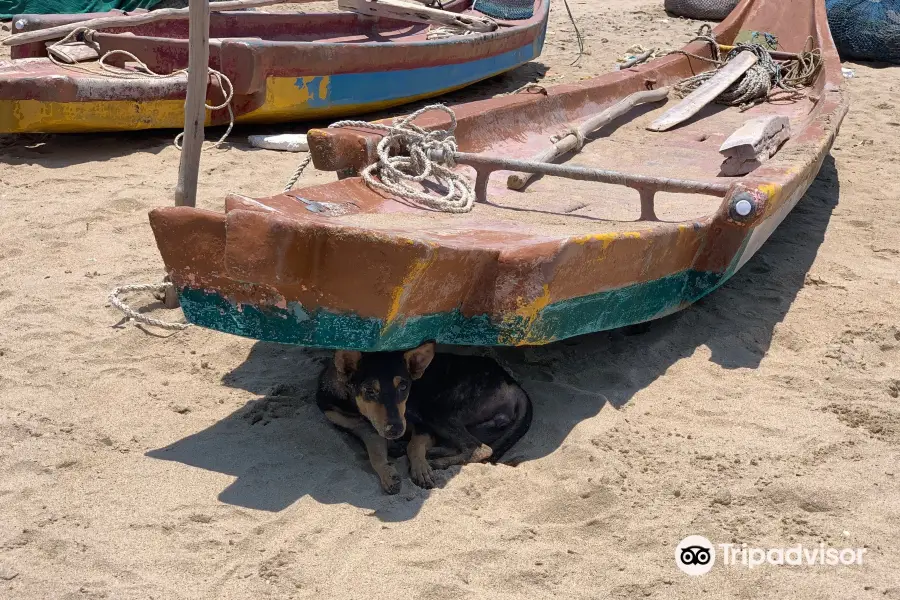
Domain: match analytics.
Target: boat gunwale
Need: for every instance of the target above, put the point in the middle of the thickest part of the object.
(532, 284)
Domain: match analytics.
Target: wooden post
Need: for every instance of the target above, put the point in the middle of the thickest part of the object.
(194, 104)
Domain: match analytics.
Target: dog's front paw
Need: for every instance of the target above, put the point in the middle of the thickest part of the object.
(390, 480)
(422, 475)
(481, 453)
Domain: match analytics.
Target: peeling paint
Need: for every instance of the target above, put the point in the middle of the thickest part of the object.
(537, 322)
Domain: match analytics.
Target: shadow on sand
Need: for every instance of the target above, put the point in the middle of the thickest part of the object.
(279, 448)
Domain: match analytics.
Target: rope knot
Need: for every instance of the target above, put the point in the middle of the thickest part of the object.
(408, 155)
(570, 130)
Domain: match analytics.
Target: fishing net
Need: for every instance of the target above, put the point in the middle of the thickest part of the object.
(713, 10)
(11, 8)
(512, 10)
(866, 29)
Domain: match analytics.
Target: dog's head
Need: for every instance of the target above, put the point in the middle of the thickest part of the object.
(379, 382)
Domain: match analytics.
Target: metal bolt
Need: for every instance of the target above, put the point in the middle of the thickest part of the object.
(743, 207)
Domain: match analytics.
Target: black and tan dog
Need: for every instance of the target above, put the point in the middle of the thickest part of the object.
(468, 404)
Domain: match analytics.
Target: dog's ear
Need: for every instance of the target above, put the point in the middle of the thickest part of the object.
(418, 359)
(347, 361)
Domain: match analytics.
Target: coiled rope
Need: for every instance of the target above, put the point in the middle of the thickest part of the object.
(409, 155)
(86, 35)
(763, 79)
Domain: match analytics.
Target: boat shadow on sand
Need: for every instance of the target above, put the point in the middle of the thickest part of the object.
(280, 448)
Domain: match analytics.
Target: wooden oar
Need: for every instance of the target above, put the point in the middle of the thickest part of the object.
(164, 14)
(708, 91)
(417, 13)
(517, 181)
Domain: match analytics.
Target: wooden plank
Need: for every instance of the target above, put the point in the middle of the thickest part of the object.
(195, 103)
(706, 93)
(415, 13)
(60, 31)
(517, 181)
(753, 144)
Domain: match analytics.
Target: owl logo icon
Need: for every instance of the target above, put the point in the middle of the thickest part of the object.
(695, 555)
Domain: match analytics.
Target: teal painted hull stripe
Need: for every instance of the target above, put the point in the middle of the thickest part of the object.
(325, 329)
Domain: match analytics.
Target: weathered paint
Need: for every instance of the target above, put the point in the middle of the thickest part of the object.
(530, 326)
(282, 275)
(22, 116)
(357, 93)
(286, 98)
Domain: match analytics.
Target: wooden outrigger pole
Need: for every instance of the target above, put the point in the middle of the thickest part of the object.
(194, 114)
(194, 104)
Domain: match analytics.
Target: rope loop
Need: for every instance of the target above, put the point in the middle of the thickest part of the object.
(761, 80)
(86, 35)
(409, 154)
(133, 315)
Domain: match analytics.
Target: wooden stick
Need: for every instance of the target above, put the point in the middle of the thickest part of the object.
(517, 181)
(413, 12)
(60, 31)
(708, 91)
(195, 103)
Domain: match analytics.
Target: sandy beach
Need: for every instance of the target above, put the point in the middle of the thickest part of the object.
(139, 463)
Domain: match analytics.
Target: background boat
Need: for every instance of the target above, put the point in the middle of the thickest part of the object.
(284, 67)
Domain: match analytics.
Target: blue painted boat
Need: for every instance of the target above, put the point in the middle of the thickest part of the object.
(283, 67)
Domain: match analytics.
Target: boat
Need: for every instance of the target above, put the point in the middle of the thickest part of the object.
(282, 67)
(343, 265)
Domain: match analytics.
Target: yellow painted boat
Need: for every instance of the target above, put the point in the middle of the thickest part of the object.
(283, 67)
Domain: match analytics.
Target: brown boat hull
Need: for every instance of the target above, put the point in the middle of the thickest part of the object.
(340, 266)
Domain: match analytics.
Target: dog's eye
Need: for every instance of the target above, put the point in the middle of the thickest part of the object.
(403, 385)
(371, 393)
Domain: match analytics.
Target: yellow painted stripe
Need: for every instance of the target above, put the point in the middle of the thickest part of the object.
(285, 101)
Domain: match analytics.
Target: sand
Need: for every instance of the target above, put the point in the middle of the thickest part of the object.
(145, 464)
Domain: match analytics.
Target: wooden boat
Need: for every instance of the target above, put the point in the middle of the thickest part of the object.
(283, 67)
(341, 266)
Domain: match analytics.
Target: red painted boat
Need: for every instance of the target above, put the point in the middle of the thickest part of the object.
(283, 67)
(342, 266)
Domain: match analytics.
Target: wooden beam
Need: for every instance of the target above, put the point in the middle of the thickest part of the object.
(708, 91)
(195, 104)
(416, 13)
(517, 181)
(753, 144)
(164, 14)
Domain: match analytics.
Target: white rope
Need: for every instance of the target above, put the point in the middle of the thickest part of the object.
(571, 130)
(145, 71)
(528, 88)
(297, 173)
(446, 31)
(136, 316)
(430, 154)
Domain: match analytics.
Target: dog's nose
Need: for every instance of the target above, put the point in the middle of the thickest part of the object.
(392, 432)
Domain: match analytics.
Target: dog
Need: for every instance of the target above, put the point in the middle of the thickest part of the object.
(468, 404)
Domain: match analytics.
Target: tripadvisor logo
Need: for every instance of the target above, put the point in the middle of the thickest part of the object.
(696, 555)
